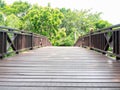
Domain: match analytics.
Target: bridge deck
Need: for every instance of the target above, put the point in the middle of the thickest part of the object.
(59, 68)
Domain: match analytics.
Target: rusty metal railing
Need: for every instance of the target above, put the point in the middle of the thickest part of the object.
(13, 40)
(105, 40)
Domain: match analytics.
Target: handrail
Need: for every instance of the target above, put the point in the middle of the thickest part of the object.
(106, 41)
(111, 27)
(15, 40)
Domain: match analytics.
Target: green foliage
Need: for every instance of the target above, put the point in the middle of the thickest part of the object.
(13, 21)
(102, 24)
(2, 3)
(69, 40)
(20, 7)
(43, 20)
(1, 18)
(61, 26)
(78, 22)
(58, 39)
(7, 10)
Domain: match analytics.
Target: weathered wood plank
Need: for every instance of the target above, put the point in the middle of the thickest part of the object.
(55, 88)
(59, 68)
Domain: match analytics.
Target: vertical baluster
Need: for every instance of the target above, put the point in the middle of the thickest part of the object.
(3, 44)
(116, 42)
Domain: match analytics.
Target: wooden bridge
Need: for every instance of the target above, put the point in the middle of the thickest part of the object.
(60, 68)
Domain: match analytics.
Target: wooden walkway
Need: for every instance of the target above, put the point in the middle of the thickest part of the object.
(59, 68)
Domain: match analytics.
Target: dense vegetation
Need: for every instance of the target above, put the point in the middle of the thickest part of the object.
(61, 26)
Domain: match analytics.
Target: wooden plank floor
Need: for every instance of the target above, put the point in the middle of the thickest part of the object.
(59, 68)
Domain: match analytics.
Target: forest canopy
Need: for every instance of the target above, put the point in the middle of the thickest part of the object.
(62, 26)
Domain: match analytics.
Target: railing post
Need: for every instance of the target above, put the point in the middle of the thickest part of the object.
(3, 44)
(90, 39)
(16, 43)
(116, 43)
(31, 41)
(40, 42)
(82, 42)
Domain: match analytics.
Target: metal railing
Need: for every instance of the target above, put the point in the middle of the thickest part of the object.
(14, 40)
(105, 40)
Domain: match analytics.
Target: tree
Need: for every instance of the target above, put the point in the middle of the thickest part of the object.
(78, 22)
(69, 20)
(2, 3)
(58, 39)
(20, 7)
(1, 18)
(102, 24)
(61, 26)
(7, 10)
(13, 21)
(43, 20)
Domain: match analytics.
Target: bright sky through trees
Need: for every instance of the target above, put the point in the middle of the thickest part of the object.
(109, 8)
